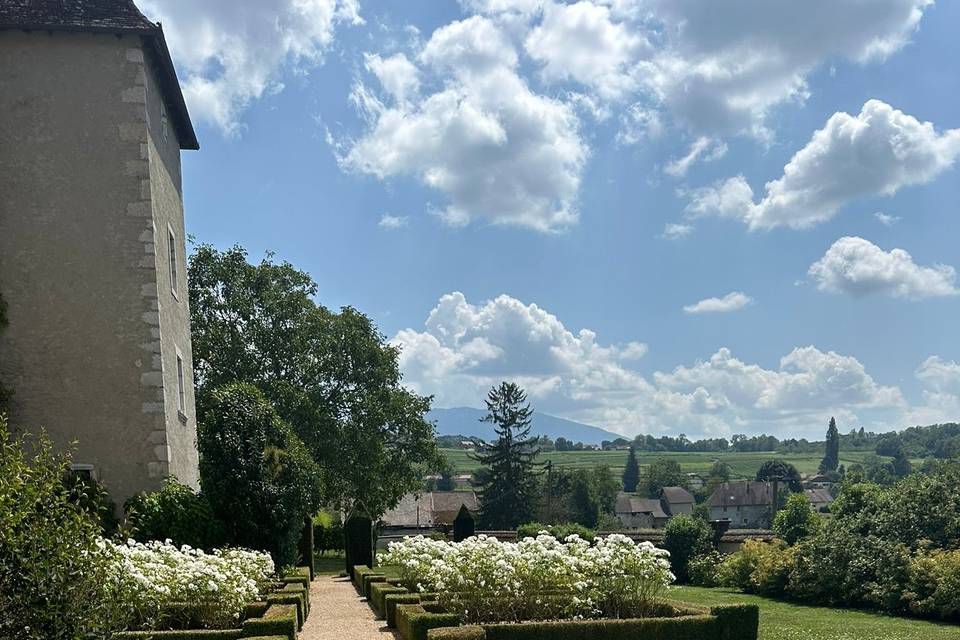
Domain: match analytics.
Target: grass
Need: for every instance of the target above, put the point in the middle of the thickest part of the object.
(328, 564)
(786, 621)
(744, 465)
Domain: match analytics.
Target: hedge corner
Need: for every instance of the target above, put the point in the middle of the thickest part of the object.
(279, 620)
(413, 621)
(737, 621)
(469, 632)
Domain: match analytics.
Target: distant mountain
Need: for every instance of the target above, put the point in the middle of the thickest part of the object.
(465, 421)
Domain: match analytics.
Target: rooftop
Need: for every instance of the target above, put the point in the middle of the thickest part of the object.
(107, 16)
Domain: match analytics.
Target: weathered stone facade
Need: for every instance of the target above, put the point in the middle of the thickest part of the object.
(92, 255)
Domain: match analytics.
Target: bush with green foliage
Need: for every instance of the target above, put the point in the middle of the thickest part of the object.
(327, 533)
(934, 588)
(258, 476)
(54, 580)
(704, 570)
(176, 513)
(686, 537)
(796, 520)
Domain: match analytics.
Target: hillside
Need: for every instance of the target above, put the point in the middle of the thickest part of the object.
(466, 422)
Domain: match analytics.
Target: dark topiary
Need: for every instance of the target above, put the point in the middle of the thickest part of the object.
(463, 524)
(359, 542)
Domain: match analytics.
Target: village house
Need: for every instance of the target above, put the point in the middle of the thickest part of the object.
(747, 505)
(92, 253)
(820, 499)
(677, 500)
(426, 512)
(640, 513)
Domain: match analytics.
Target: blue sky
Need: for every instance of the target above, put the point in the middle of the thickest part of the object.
(501, 185)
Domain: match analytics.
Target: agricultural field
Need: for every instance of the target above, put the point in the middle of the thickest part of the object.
(787, 621)
(743, 465)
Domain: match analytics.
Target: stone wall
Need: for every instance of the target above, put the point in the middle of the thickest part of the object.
(83, 205)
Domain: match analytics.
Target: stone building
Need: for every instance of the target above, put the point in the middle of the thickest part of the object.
(747, 505)
(92, 254)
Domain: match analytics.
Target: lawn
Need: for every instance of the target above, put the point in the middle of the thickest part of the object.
(743, 465)
(328, 564)
(784, 621)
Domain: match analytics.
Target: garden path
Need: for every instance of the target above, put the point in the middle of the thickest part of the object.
(340, 614)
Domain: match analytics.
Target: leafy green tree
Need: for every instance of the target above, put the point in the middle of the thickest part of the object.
(593, 494)
(332, 376)
(661, 473)
(796, 520)
(686, 537)
(508, 494)
(260, 479)
(631, 473)
(778, 468)
(831, 457)
(54, 582)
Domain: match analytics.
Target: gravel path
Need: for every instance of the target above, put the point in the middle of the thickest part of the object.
(338, 613)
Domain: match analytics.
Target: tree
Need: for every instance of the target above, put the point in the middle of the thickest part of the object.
(508, 494)
(796, 520)
(631, 473)
(332, 376)
(661, 473)
(777, 468)
(258, 476)
(686, 537)
(593, 494)
(831, 457)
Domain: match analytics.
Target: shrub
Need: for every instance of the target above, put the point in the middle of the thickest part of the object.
(327, 533)
(257, 474)
(54, 580)
(737, 568)
(686, 537)
(934, 588)
(218, 585)
(773, 570)
(358, 541)
(174, 513)
(796, 520)
(487, 580)
(704, 570)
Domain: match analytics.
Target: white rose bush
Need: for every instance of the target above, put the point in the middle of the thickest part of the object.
(541, 578)
(147, 577)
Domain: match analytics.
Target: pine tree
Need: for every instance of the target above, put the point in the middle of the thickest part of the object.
(831, 457)
(508, 494)
(631, 474)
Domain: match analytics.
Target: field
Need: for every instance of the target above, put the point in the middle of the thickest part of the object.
(743, 465)
(785, 621)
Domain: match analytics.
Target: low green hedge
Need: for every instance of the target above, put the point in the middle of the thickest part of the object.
(359, 571)
(188, 634)
(367, 580)
(254, 609)
(299, 590)
(378, 592)
(279, 620)
(290, 599)
(726, 622)
(413, 621)
(392, 600)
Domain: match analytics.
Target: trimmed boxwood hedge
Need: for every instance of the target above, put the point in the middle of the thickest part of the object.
(188, 634)
(392, 600)
(378, 592)
(290, 599)
(727, 622)
(359, 571)
(413, 621)
(279, 620)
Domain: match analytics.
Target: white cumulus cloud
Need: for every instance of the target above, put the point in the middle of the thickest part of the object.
(703, 149)
(498, 151)
(875, 153)
(858, 267)
(465, 348)
(730, 302)
(388, 221)
(234, 51)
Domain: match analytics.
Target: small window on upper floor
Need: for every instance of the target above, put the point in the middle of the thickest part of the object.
(163, 121)
(172, 256)
(181, 390)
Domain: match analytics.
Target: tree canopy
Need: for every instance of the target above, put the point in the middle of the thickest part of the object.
(780, 469)
(332, 376)
(831, 456)
(631, 473)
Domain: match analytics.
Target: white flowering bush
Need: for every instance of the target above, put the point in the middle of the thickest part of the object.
(150, 576)
(539, 578)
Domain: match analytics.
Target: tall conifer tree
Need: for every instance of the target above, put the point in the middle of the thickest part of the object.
(508, 494)
(831, 457)
(631, 473)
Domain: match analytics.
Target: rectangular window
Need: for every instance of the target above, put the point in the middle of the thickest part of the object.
(181, 395)
(172, 253)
